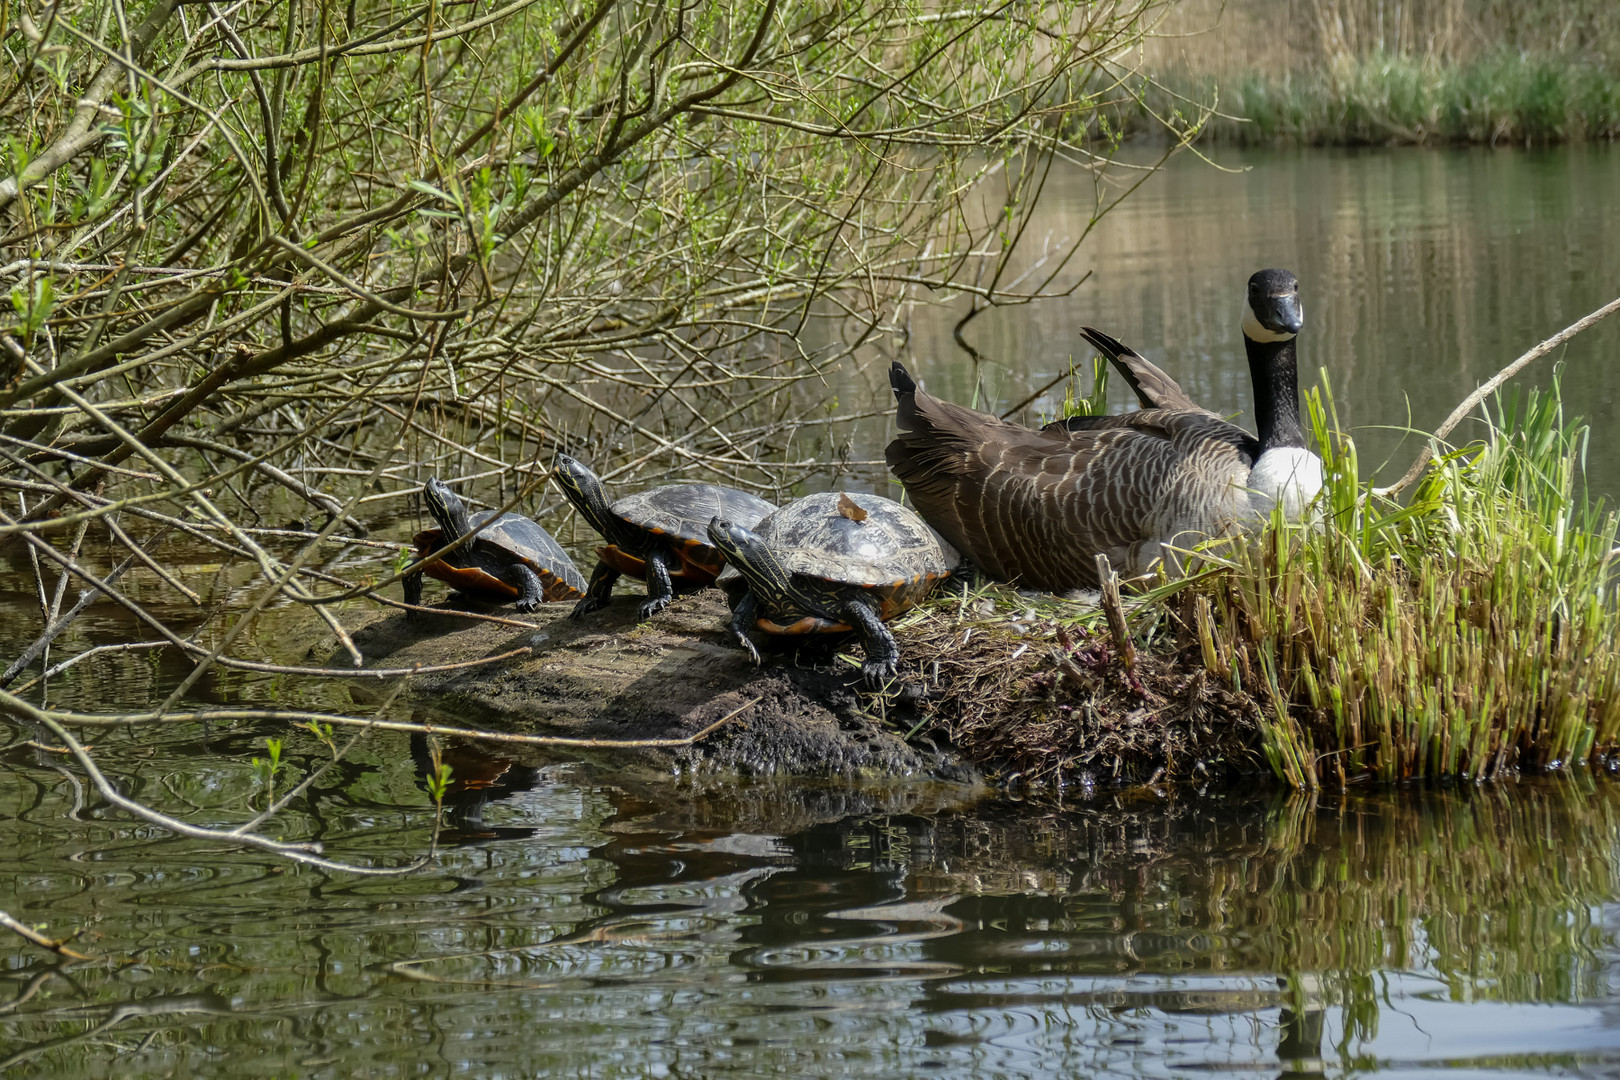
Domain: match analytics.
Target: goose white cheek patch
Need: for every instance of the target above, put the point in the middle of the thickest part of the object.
(1254, 331)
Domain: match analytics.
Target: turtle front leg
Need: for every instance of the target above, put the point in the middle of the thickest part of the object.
(742, 620)
(532, 592)
(413, 591)
(660, 589)
(598, 592)
(882, 653)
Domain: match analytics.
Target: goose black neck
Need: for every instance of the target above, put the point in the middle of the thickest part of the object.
(1273, 367)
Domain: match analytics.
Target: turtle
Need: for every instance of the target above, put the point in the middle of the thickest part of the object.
(658, 535)
(512, 559)
(828, 563)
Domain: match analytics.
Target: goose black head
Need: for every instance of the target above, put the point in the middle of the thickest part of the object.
(1273, 312)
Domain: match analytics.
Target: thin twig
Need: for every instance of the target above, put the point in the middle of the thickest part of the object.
(1489, 387)
(28, 933)
(300, 717)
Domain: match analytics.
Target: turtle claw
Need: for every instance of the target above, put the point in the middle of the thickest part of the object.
(880, 673)
(585, 607)
(741, 640)
(651, 607)
(525, 607)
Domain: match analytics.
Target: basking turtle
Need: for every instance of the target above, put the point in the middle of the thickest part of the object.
(827, 563)
(658, 535)
(512, 559)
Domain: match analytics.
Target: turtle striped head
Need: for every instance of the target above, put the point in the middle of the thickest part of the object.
(584, 489)
(1272, 311)
(744, 550)
(447, 509)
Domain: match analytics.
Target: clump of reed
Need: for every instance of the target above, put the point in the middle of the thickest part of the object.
(1468, 632)
(1391, 99)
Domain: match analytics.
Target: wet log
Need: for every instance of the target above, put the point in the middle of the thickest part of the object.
(800, 713)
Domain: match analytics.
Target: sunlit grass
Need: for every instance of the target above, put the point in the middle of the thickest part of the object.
(1467, 632)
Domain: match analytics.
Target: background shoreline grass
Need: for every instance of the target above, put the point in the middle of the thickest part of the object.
(1385, 100)
(1373, 72)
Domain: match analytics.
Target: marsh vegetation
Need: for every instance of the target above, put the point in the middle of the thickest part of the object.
(1372, 72)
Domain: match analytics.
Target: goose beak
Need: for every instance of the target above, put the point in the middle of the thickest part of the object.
(1280, 314)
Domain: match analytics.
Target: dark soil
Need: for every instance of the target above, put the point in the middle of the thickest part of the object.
(607, 678)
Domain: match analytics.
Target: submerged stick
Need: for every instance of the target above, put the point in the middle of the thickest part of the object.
(28, 933)
(1489, 386)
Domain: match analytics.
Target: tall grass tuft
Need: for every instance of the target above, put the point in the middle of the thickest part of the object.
(1466, 633)
(1384, 99)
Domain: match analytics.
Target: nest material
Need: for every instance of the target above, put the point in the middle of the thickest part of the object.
(1045, 698)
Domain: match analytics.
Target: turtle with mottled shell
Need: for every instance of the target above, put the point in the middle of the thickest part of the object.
(657, 535)
(831, 563)
(511, 560)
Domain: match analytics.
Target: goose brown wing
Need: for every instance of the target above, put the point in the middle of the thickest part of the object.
(1037, 507)
(1155, 390)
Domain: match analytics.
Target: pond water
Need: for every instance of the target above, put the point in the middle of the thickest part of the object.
(584, 923)
(577, 926)
(1422, 272)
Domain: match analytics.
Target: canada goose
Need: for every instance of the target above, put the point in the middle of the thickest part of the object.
(1037, 507)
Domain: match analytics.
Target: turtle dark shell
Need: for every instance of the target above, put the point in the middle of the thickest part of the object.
(660, 536)
(512, 539)
(679, 514)
(890, 556)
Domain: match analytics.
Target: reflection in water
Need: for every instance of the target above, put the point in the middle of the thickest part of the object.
(631, 930)
(477, 777)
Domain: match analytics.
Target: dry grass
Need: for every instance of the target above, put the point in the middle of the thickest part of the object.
(1035, 691)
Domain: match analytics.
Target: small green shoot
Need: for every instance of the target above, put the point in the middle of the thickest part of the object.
(267, 768)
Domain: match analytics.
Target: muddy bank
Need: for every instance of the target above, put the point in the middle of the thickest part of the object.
(607, 678)
(1021, 696)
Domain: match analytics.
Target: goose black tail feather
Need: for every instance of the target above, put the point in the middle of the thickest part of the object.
(901, 379)
(1153, 388)
(945, 454)
(905, 402)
